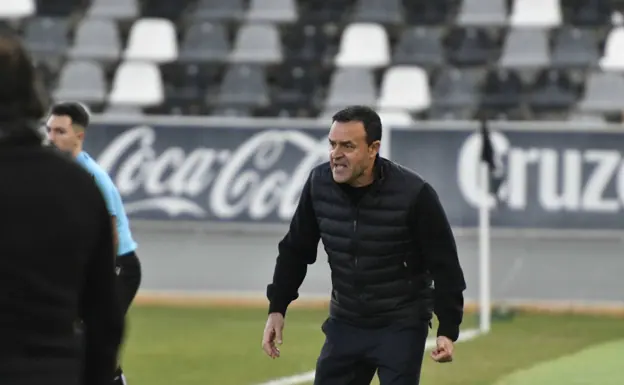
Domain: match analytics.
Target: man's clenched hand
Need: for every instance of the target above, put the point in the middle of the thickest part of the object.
(443, 352)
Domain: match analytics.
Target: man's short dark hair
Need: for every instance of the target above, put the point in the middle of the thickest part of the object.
(76, 111)
(366, 115)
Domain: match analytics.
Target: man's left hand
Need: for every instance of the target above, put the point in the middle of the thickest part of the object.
(443, 352)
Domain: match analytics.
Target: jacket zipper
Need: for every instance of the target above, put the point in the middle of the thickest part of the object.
(355, 232)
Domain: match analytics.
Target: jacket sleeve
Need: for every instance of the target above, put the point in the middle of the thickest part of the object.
(101, 309)
(296, 251)
(438, 248)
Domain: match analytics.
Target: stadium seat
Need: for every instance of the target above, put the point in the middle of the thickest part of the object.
(525, 48)
(257, 43)
(365, 45)
(298, 57)
(81, 80)
(186, 86)
(482, 13)
(96, 39)
(304, 43)
(232, 112)
(351, 86)
(470, 46)
(17, 9)
(404, 88)
(428, 12)
(276, 11)
(56, 8)
(604, 92)
(395, 118)
(439, 113)
(536, 13)
(323, 11)
(152, 39)
(243, 86)
(114, 9)
(552, 90)
(296, 87)
(586, 118)
(205, 41)
(420, 46)
(574, 47)
(123, 111)
(613, 58)
(455, 89)
(47, 37)
(378, 11)
(502, 91)
(165, 9)
(590, 13)
(218, 10)
(138, 84)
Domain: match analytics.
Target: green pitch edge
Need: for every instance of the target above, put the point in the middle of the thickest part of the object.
(599, 364)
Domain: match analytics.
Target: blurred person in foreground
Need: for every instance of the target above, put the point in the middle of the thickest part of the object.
(66, 127)
(56, 251)
(387, 238)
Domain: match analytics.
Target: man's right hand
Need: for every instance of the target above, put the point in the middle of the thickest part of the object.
(273, 335)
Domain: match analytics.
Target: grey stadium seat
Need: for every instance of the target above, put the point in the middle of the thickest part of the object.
(257, 43)
(121, 110)
(205, 41)
(526, 48)
(47, 36)
(421, 46)
(243, 85)
(455, 88)
(232, 112)
(219, 10)
(378, 11)
(351, 86)
(81, 80)
(574, 47)
(604, 92)
(96, 39)
(586, 118)
(552, 89)
(277, 11)
(114, 9)
(482, 13)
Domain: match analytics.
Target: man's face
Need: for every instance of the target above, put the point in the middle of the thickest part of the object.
(62, 133)
(350, 155)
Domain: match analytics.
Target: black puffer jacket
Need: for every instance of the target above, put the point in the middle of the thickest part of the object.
(374, 260)
(386, 245)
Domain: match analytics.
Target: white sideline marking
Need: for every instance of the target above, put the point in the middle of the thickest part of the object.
(302, 378)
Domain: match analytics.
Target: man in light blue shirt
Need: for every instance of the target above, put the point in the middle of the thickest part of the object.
(123, 237)
(66, 128)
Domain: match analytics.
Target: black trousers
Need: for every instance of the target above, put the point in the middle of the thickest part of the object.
(128, 277)
(128, 268)
(352, 355)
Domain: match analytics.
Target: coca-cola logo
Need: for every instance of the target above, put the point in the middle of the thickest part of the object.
(254, 179)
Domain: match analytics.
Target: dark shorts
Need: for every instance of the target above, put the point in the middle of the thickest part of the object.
(352, 355)
(128, 277)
